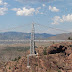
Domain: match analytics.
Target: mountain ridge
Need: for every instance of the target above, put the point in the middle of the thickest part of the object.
(63, 36)
(22, 36)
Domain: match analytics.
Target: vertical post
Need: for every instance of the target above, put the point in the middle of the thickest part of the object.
(28, 65)
(32, 40)
(27, 60)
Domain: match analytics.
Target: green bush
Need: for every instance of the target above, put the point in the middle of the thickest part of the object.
(69, 38)
(15, 59)
(19, 57)
(9, 68)
(44, 52)
(36, 64)
(59, 71)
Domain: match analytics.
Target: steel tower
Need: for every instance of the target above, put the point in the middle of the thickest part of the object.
(32, 44)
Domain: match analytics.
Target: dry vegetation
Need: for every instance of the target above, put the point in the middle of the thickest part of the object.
(11, 51)
(52, 58)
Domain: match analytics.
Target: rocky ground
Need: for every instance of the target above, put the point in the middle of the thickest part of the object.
(55, 58)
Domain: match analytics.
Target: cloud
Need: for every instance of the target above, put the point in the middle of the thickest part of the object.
(1, 2)
(58, 19)
(27, 11)
(3, 7)
(43, 5)
(3, 10)
(24, 11)
(67, 18)
(5, 4)
(16, 9)
(53, 9)
(37, 10)
(31, 1)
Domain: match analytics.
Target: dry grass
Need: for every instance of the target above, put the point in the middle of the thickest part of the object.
(11, 51)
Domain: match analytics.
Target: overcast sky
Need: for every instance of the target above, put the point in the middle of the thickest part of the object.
(18, 15)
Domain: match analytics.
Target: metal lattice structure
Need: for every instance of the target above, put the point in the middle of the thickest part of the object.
(32, 44)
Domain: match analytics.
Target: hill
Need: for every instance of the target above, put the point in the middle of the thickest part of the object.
(22, 36)
(26, 36)
(63, 36)
(55, 58)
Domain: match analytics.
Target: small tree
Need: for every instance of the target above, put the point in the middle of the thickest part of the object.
(59, 71)
(69, 38)
(19, 57)
(44, 52)
(15, 59)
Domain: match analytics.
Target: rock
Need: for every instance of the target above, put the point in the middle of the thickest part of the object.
(58, 59)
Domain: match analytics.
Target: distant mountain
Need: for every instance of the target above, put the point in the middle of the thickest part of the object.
(22, 36)
(63, 36)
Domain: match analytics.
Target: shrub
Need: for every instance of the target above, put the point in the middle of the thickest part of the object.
(19, 57)
(15, 59)
(44, 52)
(59, 71)
(69, 38)
(9, 68)
(36, 64)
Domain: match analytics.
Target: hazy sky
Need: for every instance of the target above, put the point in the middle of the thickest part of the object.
(18, 15)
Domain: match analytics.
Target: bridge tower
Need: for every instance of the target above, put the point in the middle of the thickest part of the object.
(32, 43)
